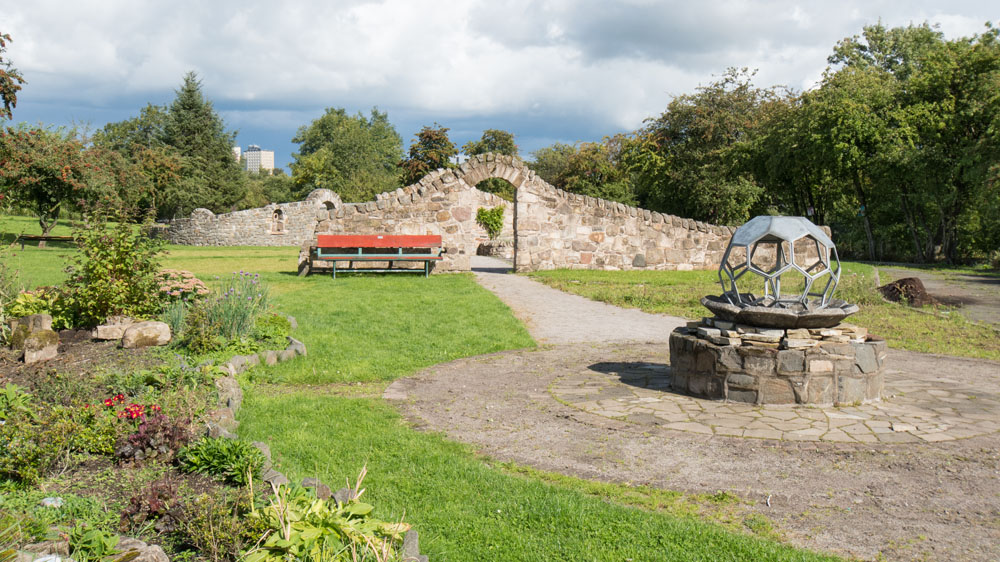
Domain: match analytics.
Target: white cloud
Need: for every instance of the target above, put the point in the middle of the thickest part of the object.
(584, 65)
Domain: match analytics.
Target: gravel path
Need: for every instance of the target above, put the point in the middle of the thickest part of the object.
(555, 317)
(916, 500)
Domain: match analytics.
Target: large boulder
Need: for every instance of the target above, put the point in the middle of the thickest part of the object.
(114, 328)
(40, 345)
(146, 334)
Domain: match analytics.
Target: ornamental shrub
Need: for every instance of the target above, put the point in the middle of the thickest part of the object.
(228, 459)
(115, 270)
(491, 220)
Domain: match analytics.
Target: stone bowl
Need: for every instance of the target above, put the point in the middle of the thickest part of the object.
(791, 317)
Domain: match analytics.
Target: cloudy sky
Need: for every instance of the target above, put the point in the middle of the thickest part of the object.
(547, 70)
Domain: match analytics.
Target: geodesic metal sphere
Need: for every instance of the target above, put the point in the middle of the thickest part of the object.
(770, 247)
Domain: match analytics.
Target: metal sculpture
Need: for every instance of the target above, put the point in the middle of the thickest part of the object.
(770, 247)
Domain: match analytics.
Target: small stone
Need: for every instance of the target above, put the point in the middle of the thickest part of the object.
(296, 346)
(344, 495)
(709, 333)
(694, 324)
(286, 355)
(798, 334)
(820, 366)
(230, 393)
(763, 338)
(768, 345)
(730, 333)
(292, 322)
(274, 477)
(837, 339)
(708, 321)
(723, 324)
(721, 340)
(51, 502)
(40, 345)
(146, 334)
(798, 343)
(824, 332)
(323, 491)
(107, 332)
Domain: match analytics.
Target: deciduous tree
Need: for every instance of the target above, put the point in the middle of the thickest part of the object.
(496, 141)
(10, 80)
(431, 149)
(354, 156)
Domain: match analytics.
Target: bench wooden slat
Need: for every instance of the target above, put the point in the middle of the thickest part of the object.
(378, 241)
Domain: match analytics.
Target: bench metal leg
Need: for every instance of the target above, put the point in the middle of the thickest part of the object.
(334, 269)
(427, 268)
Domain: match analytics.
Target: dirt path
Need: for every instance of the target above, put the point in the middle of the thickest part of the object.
(976, 295)
(917, 500)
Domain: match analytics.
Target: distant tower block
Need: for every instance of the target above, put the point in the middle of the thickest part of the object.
(257, 159)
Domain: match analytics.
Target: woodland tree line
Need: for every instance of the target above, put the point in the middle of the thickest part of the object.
(897, 149)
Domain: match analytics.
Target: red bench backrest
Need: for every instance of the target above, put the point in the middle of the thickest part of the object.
(378, 241)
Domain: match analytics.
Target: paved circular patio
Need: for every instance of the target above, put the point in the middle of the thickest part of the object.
(915, 409)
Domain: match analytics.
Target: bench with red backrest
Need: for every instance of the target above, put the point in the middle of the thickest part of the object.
(389, 248)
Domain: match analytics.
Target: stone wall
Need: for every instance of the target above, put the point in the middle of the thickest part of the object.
(546, 228)
(557, 229)
(279, 224)
(441, 203)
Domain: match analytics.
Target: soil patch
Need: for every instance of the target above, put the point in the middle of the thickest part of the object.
(909, 290)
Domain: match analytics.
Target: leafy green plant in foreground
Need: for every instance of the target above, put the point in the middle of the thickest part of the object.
(87, 544)
(235, 461)
(305, 527)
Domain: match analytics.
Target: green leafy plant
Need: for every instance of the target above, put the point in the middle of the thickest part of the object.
(230, 459)
(87, 544)
(13, 399)
(115, 270)
(271, 330)
(491, 220)
(156, 436)
(305, 527)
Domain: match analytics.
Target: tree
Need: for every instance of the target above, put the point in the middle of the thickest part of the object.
(43, 170)
(909, 122)
(431, 149)
(498, 142)
(596, 170)
(10, 80)
(550, 161)
(354, 156)
(211, 177)
(493, 140)
(690, 160)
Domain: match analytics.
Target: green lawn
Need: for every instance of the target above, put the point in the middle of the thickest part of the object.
(322, 416)
(678, 293)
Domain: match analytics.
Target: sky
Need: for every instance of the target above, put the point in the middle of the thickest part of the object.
(546, 70)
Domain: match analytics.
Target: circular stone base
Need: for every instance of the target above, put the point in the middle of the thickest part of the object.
(829, 373)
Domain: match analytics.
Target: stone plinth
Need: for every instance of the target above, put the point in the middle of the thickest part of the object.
(761, 372)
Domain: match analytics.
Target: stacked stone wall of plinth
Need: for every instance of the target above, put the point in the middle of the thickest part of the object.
(294, 225)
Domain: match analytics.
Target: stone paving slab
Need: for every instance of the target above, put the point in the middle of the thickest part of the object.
(915, 409)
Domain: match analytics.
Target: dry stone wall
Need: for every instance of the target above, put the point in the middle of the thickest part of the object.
(441, 203)
(279, 224)
(546, 228)
(557, 229)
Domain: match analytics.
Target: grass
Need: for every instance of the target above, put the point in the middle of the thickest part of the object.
(677, 293)
(467, 510)
(362, 331)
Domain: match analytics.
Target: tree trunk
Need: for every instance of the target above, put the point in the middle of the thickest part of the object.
(864, 215)
(911, 223)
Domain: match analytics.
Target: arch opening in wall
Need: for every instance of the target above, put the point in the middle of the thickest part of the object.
(502, 244)
(499, 187)
(278, 222)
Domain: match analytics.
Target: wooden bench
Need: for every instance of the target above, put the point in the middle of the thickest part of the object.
(379, 247)
(38, 238)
